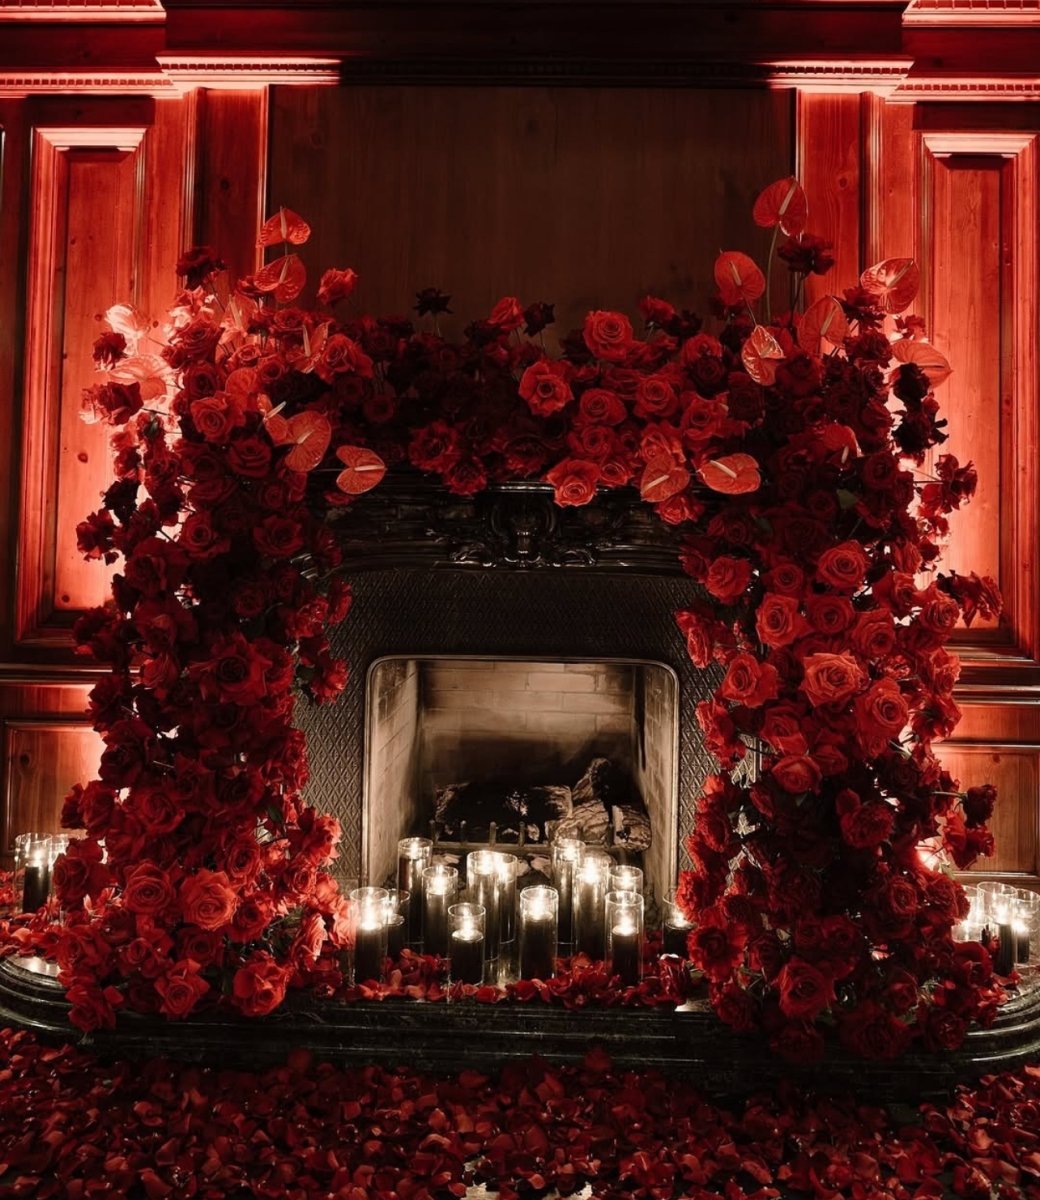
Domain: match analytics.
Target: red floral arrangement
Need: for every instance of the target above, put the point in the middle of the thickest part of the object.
(783, 449)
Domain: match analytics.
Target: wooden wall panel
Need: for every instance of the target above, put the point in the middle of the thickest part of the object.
(829, 164)
(108, 210)
(42, 760)
(586, 197)
(979, 250)
(1015, 772)
(231, 176)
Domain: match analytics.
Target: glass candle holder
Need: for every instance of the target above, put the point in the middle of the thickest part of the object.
(485, 888)
(468, 942)
(590, 890)
(32, 871)
(624, 923)
(440, 889)
(538, 935)
(1000, 924)
(675, 931)
(413, 857)
(567, 857)
(1025, 913)
(395, 915)
(369, 933)
(625, 879)
(508, 869)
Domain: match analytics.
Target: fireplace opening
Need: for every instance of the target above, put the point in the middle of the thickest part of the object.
(466, 749)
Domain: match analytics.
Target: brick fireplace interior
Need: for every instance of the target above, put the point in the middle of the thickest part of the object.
(436, 722)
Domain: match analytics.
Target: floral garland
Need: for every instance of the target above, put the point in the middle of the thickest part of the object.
(781, 448)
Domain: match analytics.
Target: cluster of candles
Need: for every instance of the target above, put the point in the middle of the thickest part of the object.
(1008, 915)
(34, 857)
(594, 907)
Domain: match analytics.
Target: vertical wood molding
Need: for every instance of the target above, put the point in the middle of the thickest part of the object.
(231, 175)
(979, 221)
(829, 162)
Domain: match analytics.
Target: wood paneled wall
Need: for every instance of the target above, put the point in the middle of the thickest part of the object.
(585, 196)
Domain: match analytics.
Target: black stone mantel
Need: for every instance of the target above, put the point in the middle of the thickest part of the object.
(446, 1036)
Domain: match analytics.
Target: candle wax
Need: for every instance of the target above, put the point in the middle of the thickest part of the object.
(368, 953)
(467, 956)
(536, 945)
(36, 887)
(674, 939)
(625, 957)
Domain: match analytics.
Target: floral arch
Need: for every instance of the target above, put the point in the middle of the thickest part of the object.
(784, 449)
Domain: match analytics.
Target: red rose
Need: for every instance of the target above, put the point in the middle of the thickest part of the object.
(309, 939)
(602, 407)
(978, 804)
(864, 826)
(874, 634)
(342, 356)
(93, 1007)
(787, 578)
(181, 988)
(545, 388)
(279, 537)
(733, 1005)
(148, 890)
(574, 480)
(252, 917)
(830, 615)
(199, 537)
(434, 447)
(843, 567)
(939, 613)
(832, 678)
(749, 682)
(881, 712)
(805, 990)
(728, 578)
(207, 899)
(336, 285)
(249, 457)
(778, 620)
(235, 672)
(796, 773)
(465, 477)
(717, 945)
(202, 946)
(655, 399)
(116, 402)
(782, 728)
(942, 1029)
(79, 873)
(608, 335)
(873, 1033)
(508, 314)
(259, 986)
(214, 418)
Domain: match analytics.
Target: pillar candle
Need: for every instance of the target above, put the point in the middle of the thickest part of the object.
(369, 933)
(413, 857)
(590, 889)
(567, 855)
(539, 907)
(1004, 961)
(484, 882)
(625, 879)
(675, 932)
(624, 919)
(36, 886)
(508, 866)
(468, 942)
(440, 886)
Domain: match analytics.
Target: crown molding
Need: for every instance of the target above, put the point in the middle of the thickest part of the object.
(16, 85)
(880, 76)
(952, 88)
(66, 11)
(241, 71)
(999, 142)
(992, 13)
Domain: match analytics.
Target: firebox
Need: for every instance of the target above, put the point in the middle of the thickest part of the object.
(509, 655)
(471, 750)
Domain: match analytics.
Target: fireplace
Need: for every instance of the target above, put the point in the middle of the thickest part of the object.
(468, 749)
(502, 641)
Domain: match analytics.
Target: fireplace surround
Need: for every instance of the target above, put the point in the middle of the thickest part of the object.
(563, 622)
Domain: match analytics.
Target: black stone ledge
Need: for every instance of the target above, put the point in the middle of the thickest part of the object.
(442, 1038)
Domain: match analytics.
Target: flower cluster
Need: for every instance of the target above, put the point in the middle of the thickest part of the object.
(782, 449)
(72, 1126)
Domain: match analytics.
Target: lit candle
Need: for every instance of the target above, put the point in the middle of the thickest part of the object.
(625, 879)
(624, 917)
(675, 932)
(396, 921)
(1004, 961)
(370, 933)
(539, 908)
(413, 857)
(32, 870)
(467, 942)
(485, 888)
(440, 887)
(567, 855)
(590, 890)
